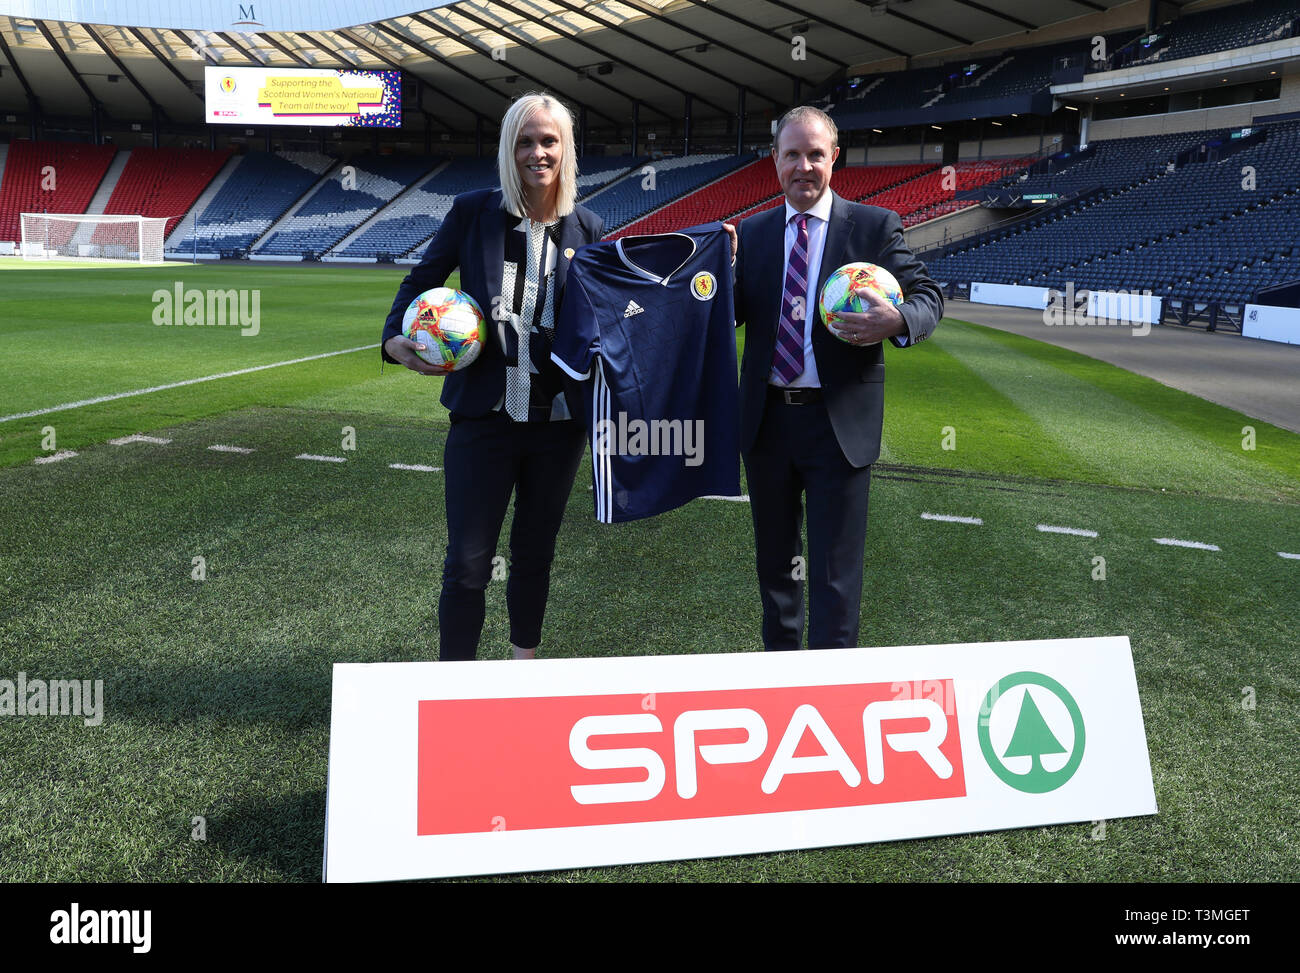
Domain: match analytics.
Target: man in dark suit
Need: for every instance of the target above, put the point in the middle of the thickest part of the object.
(812, 404)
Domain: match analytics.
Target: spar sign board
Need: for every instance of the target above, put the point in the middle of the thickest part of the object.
(462, 768)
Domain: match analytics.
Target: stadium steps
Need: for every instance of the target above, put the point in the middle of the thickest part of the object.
(384, 212)
(83, 233)
(105, 191)
(202, 202)
(4, 156)
(615, 177)
(629, 173)
(335, 209)
(292, 211)
(992, 71)
(880, 79)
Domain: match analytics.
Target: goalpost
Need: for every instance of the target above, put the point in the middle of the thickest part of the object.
(90, 237)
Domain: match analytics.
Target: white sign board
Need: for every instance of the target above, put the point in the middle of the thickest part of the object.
(302, 96)
(1272, 323)
(462, 768)
(1009, 295)
(1117, 306)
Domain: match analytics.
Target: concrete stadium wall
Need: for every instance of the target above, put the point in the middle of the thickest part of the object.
(1201, 119)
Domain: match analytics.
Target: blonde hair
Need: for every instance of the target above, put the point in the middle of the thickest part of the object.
(516, 117)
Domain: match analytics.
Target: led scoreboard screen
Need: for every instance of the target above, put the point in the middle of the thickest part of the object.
(273, 96)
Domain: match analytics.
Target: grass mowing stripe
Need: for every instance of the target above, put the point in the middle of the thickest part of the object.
(928, 392)
(1274, 447)
(1118, 439)
(176, 385)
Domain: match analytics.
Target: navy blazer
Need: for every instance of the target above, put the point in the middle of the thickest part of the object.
(472, 237)
(852, 377)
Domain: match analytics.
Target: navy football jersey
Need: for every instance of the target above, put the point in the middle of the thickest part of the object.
(648, 326)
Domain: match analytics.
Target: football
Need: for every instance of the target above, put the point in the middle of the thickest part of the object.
(839, 292)
(449, 323)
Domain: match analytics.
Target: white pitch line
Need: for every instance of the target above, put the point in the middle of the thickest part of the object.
(743, 498)
(176, 385)
(1076, 531)
(414, 467)
(1174, 542)
(322, 459)
(61, 454)
(219, 448)
(138, 438)
(948, 518)
(1289, 557)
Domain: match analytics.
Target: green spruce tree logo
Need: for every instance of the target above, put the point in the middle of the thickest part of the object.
(1032, 737)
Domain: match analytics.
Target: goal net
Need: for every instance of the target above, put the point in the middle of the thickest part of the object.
(82, 236)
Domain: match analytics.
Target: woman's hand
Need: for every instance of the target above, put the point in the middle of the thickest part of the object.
(403, 350)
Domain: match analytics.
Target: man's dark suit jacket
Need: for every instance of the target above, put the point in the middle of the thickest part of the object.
(852, 377)
(472, 237)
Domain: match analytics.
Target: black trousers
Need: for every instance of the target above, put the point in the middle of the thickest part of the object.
(796, 456)
(485, 460)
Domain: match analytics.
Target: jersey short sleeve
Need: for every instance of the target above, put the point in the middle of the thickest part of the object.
(577, 331)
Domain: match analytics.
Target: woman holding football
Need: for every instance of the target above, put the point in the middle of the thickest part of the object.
(511, 430)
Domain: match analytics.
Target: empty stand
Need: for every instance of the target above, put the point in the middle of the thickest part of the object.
(638, 194)
(1198, 232)
(343, 202)
(255, 195)
(164, 182)
(76, 171)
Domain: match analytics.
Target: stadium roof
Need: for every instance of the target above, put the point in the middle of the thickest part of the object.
(475, 55)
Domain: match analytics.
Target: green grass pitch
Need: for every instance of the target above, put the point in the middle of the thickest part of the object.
(216, 692)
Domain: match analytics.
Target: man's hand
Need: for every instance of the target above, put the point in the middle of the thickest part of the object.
(882, 320)
(403, 350)
(735, 240)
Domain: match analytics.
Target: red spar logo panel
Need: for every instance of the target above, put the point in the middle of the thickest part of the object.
(568, 761)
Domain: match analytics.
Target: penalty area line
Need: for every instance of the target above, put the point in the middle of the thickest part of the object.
(56, 457)
(1175, 542)
(177, 385)
(950, 519)
(1075, 531)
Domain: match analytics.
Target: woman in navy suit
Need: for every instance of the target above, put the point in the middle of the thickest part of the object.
(511, 430)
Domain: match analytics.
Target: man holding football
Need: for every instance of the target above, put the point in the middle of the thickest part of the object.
(812, 404)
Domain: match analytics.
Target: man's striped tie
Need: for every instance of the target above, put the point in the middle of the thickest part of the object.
(788, 360)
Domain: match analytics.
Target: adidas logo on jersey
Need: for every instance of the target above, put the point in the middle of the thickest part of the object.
(632, 308)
